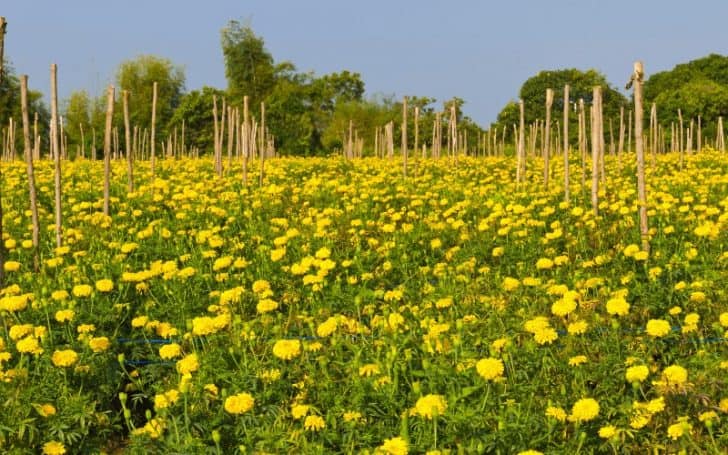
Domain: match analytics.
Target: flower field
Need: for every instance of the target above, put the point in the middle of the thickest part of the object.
(342, 308)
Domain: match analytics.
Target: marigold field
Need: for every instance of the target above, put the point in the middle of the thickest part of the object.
(342, 308)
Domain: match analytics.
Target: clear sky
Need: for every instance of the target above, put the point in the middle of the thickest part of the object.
(480, 51)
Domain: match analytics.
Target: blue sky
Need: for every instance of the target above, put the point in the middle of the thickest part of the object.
(477, 50)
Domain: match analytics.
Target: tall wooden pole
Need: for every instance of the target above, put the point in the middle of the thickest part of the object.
(596, 143)
(521, 150)
(3, 26)
(262, 148)
(153, 138)
(107, 146)
(246, 140)
(547, 137)
(404, 136)
(566, 143)
(620, 147)
(56, 151)
(641, 185)
(31, 174)
(127, 140)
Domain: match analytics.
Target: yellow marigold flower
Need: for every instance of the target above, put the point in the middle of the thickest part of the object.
(261, 286)
(239, 404)
(444, 302)
(394, 446)
(298, 411)
(698, 297)
(189, 364)
(607, 432)
(12, 266)
(510, 284)
(641, 256)
(211, 389)
(222, 263)
(675, 375)
(314, 423)
(658, 327)
(630, 250)
(287, 349)
(497, 251)
(499, 344)
(556, 412)
(708, 416)
(64, 315)
(46, 410)
(674, 311)
(676, 430)
(563, 307)
(577, 328)
(99, 344)
(723, 319)
(170, 351)
(637, 373)
(429, 405)
(536, 324)
(352, 416)
(17, 332)
(584, 410)
(60, 295)
(544, 264)
(86, 328)
(545, 336)
(54, 448)
(327, 327)
(369, 369)
(490, 368)
(64, 358)
(277, 254)
(577, 360)
(266, 306)
(139, 321)
(617, 306)
(29, 345)
(104, 285)
(692, 319)
(529, 452)
(82, 290)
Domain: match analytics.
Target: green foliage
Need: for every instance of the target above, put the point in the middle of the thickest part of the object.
(196, 111)
(10, 107)
(699, 87)
(249, 66)
(138, 77)
(581, 84)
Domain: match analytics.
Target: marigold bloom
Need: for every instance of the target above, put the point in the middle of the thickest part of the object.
(429, 405)
(54, 448)
(584, 410)
(658, 327)
(189, 364)
(99, 344)
(675, 375)
(82, 290)
(170, 351)
(287, 349)
(104, 285)
(394, 446)
(314, 423)
(607, 431)
(617, 306)
(239, 404)
(490, 368)
(557, 413)
(64, 358)
(637, 373)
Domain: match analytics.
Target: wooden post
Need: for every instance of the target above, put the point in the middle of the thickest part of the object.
(547, 137)
(566, 143)
(216, 133)
(641, 186)
(680, 137)
(127, 141)
(404, 136)
(56, 151)
(36, 137)
(83, 141)
(153, 138)
(521, 150)
(3, 26)
(700, 135)
(416, 148)
(107, 146)
(596, 143)
(262, 149)
(653, 133)
(720, 139)
(582, 142)
(629, 131)
(31, 174)
(231, 132)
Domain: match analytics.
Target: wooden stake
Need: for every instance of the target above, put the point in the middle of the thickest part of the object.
(641, 184)
(107, 146)
(262, 148)
(521, 150)
(404, 137)
(127, 141)
(31, 174)
(596, 143)
(3, 26)
(547, 137)
(566, 143)
(56, 151)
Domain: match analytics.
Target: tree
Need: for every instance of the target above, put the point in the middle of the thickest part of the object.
(698, 87)
(196, 111)
(249, 66)
(138, 76)
(10, 107)
(581, 83)
(77, 114)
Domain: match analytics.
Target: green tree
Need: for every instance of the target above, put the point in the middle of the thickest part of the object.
(249, 67)
(10, 108)
(196, 111)
(77, 111)
(581, 84)
(138, 76)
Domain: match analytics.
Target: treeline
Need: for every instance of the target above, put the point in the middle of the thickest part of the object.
(305, 114)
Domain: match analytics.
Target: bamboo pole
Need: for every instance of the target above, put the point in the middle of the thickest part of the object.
(680, 138)
(127, 141)
(36, 137)
(262, 149)
(596, 143)
(231, 132)
(620, 147)
(521, 150)
(31, 174)
(107, 146)
(3, 26)
(566, 143)
(720, 139)
(56, 152)
(153, 136)
(636, 81)
(404, 137)
(547, 138)
(700, 135)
